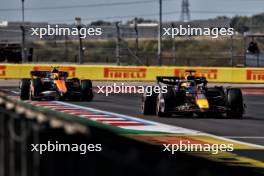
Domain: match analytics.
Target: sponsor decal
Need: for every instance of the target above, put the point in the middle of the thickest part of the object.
(125, 73)
(71, 70)
(211, 74)
(256, 75)
(2, 70)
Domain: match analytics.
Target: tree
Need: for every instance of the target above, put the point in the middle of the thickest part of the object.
(100, 23)
(240, 23)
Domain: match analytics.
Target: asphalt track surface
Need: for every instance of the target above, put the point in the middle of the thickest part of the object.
(249, 129)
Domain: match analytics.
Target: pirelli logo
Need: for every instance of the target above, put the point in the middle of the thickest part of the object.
(125, 73)
(256, 75)
(71, 70)
(2, 70)
(211, 74)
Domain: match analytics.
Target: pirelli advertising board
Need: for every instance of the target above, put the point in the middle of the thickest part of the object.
(133, 73)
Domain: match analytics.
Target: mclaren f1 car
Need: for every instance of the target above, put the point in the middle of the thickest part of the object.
(55, 85)
(191, 95)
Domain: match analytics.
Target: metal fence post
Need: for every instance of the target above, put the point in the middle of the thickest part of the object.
(2, 144)
(117, 43)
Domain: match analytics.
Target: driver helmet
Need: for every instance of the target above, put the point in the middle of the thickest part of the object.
(55, 73)
(189, 84)
(184, 85)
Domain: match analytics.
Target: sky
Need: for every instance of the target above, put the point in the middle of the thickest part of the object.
(89, 10)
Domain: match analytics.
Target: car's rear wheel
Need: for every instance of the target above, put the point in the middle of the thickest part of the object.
(148, 104)
(161, 107)
(188, 114)
(87, 90)
(35, 89)
(24, 89)
(235, 103)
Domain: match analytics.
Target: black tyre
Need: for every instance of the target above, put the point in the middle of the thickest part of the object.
(76, 81)
(35, 89)
(166, 102)
(161, 110)
(235, 103)
(148, 104)
(87, 90)
(188, 114)
(24, 89)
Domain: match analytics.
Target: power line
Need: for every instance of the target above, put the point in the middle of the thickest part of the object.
(84, 5)
(154, 14)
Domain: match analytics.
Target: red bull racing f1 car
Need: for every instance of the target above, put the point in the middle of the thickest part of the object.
(192, 96)
(54, 85)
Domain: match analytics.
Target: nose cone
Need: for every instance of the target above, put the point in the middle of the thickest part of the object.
(202, 103)
(61, 86)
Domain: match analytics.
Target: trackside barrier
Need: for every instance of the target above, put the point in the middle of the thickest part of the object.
(22, 124)
(133, 73)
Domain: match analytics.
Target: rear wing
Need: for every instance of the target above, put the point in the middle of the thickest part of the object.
(169, 80)
(45, 74)
(201, 80)
(40, 74)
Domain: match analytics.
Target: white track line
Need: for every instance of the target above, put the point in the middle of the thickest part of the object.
(171, 129)
(244, 137)
(95, 118)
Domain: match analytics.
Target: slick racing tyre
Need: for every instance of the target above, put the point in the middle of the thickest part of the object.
(148, 104)
(24, 89)
(161, 107)
(235, 103)
(165, 102)
(35, 88)
(87, 90)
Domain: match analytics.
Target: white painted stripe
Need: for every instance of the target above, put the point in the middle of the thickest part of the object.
(166, 128)
(67, 109)
(108, 118)
(163, 127)
(15, 92)
(244, 137)
(124, 122)
(87, 115)
(175, 129)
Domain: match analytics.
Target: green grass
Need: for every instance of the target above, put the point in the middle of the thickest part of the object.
(199, 51)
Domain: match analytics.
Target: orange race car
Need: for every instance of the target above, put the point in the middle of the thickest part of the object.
(54, 85)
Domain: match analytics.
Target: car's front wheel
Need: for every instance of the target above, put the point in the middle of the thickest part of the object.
(24, 89)
(235, 103)
(87, 90)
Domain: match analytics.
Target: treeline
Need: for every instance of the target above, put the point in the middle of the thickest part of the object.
(241, 24)
(244, 24)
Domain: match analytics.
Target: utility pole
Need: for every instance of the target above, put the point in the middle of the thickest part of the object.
(23, 54)
(66, 48)
(160, 34)
(136, 30)
(79, 26)
(232, 51)
(117, 43)
(173, 48)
